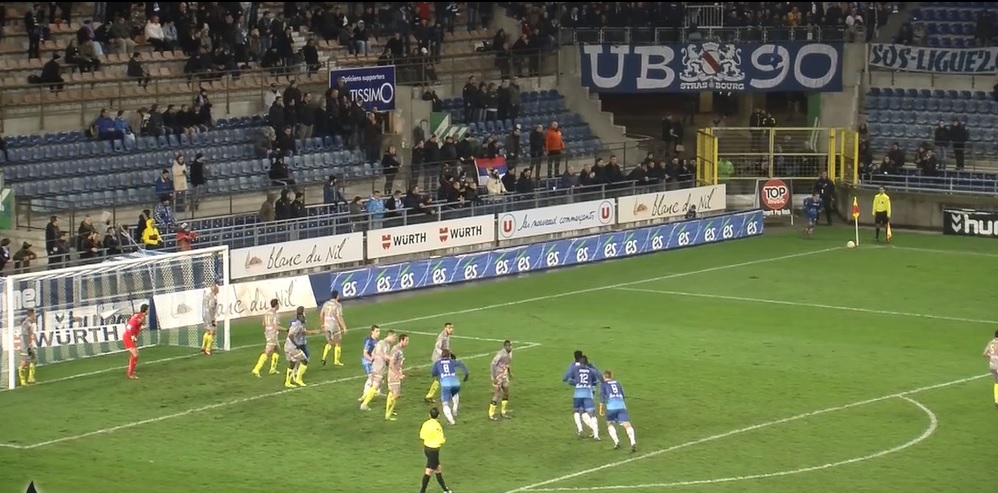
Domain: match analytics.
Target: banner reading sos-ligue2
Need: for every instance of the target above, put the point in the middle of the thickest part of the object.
(806, 67)
(373, 86)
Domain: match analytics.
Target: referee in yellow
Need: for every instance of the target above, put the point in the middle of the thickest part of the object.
(432, 435)
(882, 213)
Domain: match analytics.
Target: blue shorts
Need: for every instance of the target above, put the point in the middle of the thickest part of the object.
(446, 393)
(812, 220)
(366, 365)
(583, 404)
(617, 416)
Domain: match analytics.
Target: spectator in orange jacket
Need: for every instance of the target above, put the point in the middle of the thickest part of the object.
(185, 237)
(554, 144)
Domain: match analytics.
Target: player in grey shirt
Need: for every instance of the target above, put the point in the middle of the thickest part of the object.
(29, 355)
(443, 343)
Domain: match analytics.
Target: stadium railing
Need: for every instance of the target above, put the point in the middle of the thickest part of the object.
(225, 204)
(964, 185)
(665, 35)
(263, 233)
(978, 155)
(88, 93)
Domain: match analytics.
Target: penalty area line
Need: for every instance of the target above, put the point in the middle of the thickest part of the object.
(808, 305)
(477, 309)
(209, 407)
(739, 431)
(930, 429)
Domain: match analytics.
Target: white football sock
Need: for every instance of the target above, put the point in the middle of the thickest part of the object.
(578, 422)
(448, 414)
(367, 386)
(630, 435)
(612, 431)
(594, 425)
(454, 402)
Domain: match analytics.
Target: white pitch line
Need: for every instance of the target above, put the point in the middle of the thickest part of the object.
(803, 304)
(929, 431)
(243, 400)
(951, 252)
(656, 453)
(476, 309)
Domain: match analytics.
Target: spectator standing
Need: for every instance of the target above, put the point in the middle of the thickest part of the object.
(185, 238)
(554, 144)
(34, 30)
(375, 207)
(470, 96)
(512, 146)
(495, 186)
(307, 113)
(51, 234)
(282, 208)
(509, 179)
(268, 212)
(84, 231)
(332, 192)
(417, 161)
(179, 175)
(372, 137)
(298, 205)
(959, 136)
(113, 242)
(536, 149)
(390, 166)
(395, 205)
(198, 178)
(941, 140)
(826, 189)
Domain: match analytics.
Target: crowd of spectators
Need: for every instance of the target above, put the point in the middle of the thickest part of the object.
(916, 34)
(93, 242)
(672, 18)
(948, 146)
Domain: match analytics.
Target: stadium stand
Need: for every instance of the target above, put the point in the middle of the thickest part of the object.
(914, 139)
(950, 25)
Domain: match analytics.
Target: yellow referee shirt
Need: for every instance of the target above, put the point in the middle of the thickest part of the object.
(432, 434)
(882, 203)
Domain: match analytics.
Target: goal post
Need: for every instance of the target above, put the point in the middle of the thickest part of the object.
(81, 311)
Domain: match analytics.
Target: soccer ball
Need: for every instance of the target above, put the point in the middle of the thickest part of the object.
(850, 244)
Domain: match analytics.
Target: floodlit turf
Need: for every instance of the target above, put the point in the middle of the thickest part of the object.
(765, 365)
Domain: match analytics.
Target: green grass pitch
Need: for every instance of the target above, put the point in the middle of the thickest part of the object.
(766, 365)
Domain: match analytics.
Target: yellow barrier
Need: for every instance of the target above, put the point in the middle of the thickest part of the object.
(753, 153)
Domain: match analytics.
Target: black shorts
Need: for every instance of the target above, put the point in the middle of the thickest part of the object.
(881, 219)
(432, 457)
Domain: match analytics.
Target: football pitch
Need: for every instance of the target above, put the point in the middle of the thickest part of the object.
(766, 365)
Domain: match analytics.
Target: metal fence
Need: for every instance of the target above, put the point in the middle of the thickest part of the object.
(704, 16)
(934, 184)
(667, 35)
(322, 223)
(751, 153)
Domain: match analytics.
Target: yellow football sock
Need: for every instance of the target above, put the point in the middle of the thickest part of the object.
(31, 372)
(389, 405)
(24, 381)
(274, 359)
(206, 341)
(369, 395)
(289, 378)
(492, 410)
(337, 352)
(434, 387)
(260, 362)
(996, 393)
(325, 351)
(302, 368)
(504, 406)
(210, 343)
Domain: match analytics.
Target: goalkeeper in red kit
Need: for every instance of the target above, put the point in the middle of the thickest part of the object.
(132, 338)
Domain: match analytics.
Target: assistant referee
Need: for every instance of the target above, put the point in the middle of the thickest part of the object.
(432, 436)
(881, 210)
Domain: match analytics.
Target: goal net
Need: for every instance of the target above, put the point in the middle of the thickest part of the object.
(81, 311)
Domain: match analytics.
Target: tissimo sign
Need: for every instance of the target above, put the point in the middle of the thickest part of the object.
(966, 222)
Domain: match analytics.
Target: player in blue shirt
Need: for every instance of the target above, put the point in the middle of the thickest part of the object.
(612, 406)
(445, 370)
(584, 378)
(812, 209)
(367, 358)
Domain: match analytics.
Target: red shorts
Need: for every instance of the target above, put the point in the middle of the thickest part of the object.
(129, 343)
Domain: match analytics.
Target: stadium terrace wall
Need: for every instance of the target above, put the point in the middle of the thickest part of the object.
(916, 210)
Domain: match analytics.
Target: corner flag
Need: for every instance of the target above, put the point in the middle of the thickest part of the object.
(855, 209)
(889, 233)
